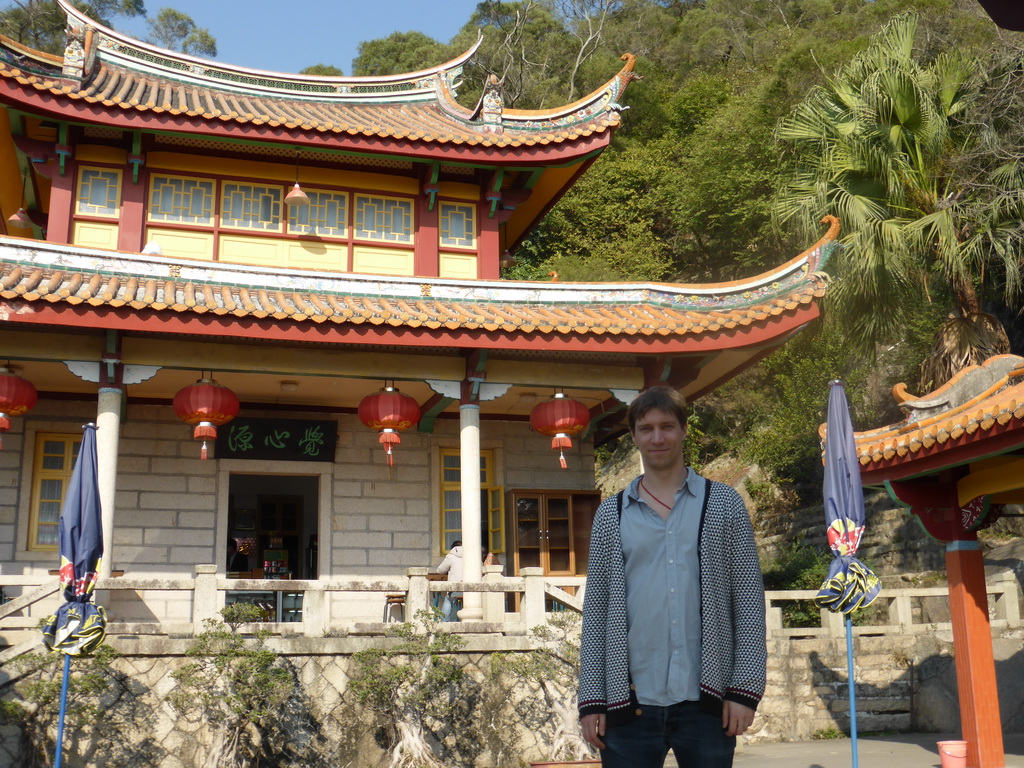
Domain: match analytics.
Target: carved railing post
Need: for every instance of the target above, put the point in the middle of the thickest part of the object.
(205, 600)
(494, 602)
(417, 598)
(533, 597)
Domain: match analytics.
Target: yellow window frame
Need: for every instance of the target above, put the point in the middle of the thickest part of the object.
(213, 211)
(492, 500)
(44, 480)
(82, 171)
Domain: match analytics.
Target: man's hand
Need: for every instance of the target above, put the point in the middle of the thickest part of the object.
(736, 718)
(593, 729)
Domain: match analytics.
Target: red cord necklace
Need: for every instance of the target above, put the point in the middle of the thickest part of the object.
(648, 492)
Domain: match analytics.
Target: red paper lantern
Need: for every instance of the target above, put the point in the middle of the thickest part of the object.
(17, 396)
(560, 419)
(208, 405)
(389, 412)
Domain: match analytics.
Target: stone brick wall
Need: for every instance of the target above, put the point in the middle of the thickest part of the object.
(903, 684)
(171, 507)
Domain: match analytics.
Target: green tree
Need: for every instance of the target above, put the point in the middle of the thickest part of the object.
(322, 70)
(40, 24)
(889, 146)
(177, 31)
(398, 53)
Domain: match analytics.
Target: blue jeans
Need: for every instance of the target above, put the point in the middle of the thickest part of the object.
(695, 738)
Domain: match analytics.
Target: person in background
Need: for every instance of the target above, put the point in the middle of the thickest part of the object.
(236, 560)
(452, 565)
(673, 653)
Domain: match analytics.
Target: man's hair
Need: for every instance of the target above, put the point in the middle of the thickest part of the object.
(662, 397)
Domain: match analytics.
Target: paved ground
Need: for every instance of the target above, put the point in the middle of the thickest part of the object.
(901, 751)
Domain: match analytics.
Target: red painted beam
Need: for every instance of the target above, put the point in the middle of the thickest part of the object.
(212, 325)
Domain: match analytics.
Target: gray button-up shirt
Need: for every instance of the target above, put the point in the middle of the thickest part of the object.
(663, 594)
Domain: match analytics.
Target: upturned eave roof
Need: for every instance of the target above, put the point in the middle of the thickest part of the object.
(59, 284)
(110, 78)
(979, 413)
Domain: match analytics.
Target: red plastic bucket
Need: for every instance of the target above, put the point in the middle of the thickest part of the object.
(953, 754)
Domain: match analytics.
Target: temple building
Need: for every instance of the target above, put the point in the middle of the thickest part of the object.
(311, 245)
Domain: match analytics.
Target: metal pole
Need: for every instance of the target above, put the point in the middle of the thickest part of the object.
(63, 708)
(851, 684)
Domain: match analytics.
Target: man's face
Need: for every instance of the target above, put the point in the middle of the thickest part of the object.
(659, 436)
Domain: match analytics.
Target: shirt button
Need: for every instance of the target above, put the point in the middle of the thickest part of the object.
(670, 562)
(670, 533)
(673, 589)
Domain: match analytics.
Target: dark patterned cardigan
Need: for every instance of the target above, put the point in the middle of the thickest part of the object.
(733, 655)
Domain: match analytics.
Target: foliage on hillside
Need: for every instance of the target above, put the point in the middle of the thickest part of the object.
(717, 172)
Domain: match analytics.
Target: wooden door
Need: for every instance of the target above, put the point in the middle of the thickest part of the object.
(543, 529)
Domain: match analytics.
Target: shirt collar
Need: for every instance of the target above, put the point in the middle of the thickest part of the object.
(691, 485)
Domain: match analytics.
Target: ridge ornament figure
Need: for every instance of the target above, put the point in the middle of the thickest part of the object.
(673, 652)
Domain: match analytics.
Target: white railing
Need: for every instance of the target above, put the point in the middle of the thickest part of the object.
(533, 597)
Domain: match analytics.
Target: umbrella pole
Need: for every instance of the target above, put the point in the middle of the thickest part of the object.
(851, 685)
(63, 708)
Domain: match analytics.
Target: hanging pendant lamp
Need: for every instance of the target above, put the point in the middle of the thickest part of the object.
(20, 218)
(296, 197)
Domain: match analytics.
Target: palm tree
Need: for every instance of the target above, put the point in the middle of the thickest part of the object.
(893, 147)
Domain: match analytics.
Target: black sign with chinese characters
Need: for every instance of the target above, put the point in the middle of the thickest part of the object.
(277, 439)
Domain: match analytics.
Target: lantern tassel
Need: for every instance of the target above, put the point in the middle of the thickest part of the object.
(202, 452)
(561, 440)
(389, 437)
(561, 460)
(203, 430)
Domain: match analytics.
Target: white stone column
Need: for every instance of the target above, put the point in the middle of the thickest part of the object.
(472, 561)
(108, 430)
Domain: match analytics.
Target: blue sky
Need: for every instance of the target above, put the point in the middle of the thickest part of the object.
(288, 35)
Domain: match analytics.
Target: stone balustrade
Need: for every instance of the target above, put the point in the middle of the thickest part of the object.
(511, 604)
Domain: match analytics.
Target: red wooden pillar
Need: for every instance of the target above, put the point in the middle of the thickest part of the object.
(62, 200)
(132, 225)
(975, 665)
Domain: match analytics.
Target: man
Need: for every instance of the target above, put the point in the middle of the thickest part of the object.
(673, 647)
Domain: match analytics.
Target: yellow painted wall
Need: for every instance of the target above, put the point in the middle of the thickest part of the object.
(182, 243)
(459, 191)
(204, 165)
(94, 234)
(382, 261)
(311, 254)
(93, 153)
(458, 265)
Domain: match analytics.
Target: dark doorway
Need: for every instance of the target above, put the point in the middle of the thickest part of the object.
(274, 519)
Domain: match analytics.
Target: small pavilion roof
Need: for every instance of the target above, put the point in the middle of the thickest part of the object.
(104, 68)
(977, 414)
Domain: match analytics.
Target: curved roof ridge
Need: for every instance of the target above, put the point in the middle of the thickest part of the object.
(128, 50)
(617, 84)
(32, 53)
(604, 98)
(814, 257)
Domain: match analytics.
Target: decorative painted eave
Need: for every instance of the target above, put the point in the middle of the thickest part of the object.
(33, 272)
(129, 78)
(978, 413)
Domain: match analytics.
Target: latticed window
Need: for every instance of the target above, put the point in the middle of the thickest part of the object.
(99, 192)
(54, 463)
(492, 518)
(326, 214)
(181, 200)
(383, 218)
(458, 225)
(250, 206)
